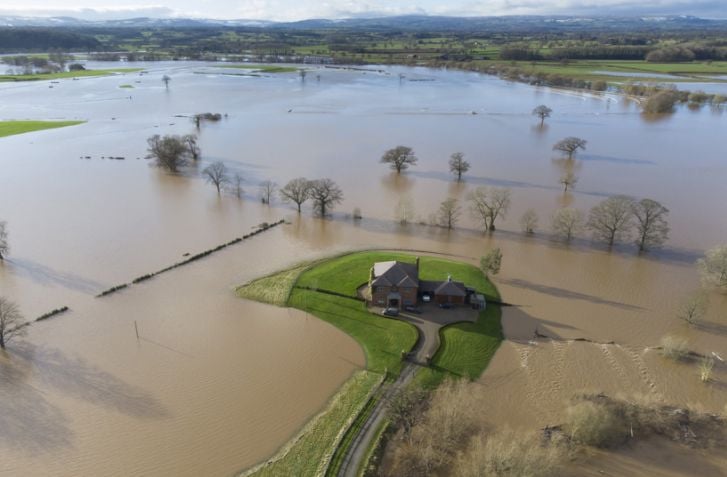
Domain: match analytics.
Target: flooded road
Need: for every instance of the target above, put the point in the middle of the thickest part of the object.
(217, 384)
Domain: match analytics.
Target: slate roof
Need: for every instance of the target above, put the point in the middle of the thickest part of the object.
(403, 275)
(451, 288)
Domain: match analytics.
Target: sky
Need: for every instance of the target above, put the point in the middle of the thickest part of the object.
(291, 10)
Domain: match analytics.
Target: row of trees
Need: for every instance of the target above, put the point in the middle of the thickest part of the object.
(615, 219)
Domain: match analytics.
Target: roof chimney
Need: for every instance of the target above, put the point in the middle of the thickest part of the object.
(449, 278)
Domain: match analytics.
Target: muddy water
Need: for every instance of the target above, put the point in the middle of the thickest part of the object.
(217, 384)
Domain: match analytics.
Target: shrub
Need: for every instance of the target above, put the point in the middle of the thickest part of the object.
(512, 455)
(599, 85)
(594, 425)
(674, 347)
(661, 102)
(706, 366)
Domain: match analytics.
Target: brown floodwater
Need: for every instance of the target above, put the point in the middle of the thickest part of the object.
(217, 384)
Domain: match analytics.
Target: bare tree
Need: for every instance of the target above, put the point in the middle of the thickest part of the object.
(405, 211)
(296, 191)
(168, 152)
(529, 221)
(487, 204)
(713, 267)
(449, 213)
(325, 194)
(651, 225)
(566, 223)
(490, 263)
(166, 79)
(568, 179)
(542, 112)
(236, 185)
(611, 220)
(4, 246)
(399, 158)
(11, 321)
(457, 165)
(267, 190)
(216, 173)
(191, 141)
(570, 145)
(302, 74)
(693, 308)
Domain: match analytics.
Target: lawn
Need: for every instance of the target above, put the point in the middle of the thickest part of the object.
(68, 74)
(264, 68)
(348, 272)
(466, 349)
(9, 128)
(309, 450)
(273, 289)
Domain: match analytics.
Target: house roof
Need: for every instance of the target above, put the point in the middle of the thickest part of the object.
(451, 288)
(400, 274)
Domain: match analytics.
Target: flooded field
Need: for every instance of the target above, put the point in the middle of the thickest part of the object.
(217, 384)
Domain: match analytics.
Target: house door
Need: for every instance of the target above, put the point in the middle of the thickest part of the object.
(393, 300)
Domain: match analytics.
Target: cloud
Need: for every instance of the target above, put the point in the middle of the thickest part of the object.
(92, 14)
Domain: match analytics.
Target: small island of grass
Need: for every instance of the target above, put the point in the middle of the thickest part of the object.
(329, 290)
(68, 74)
(10, 128)
(126, 86)
(263, 68)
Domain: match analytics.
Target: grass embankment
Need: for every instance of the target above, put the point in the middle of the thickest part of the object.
(68, 74)
(10, 128)
(264, 68)
(327, 289)
(307, 453)
(589, 70)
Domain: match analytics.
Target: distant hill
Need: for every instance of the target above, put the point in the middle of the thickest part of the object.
(404, 23)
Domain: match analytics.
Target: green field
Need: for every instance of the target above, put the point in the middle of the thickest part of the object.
(10, 128)
(264, 68)
(68, 74)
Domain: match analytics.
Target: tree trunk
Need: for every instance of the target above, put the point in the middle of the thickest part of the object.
(2, 341)
(298, 207)
(459, 176)
(542, 120)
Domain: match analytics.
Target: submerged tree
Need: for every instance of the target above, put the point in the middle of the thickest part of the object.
(570, 145)
(296, 191)
(404, 211)
(216, 173)
(399, 158)
(11, 321)
(448, 213)
(487, 204)
(325, 194)
(651, 225)
(191, 141)
(612, 219)
(166, 79)
(529, 221)
(490, 263)
(566, 223)
(713, 267)
(236, 185)
(542, 112)
(4, 246)
(568, 179)
(458, 165)
(169, 152)
(267, 190)
(693, 308)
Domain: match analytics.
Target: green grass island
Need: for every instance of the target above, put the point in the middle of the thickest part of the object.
(329, 290)
(10, 128)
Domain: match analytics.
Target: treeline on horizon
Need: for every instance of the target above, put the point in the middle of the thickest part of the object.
(357, 45)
